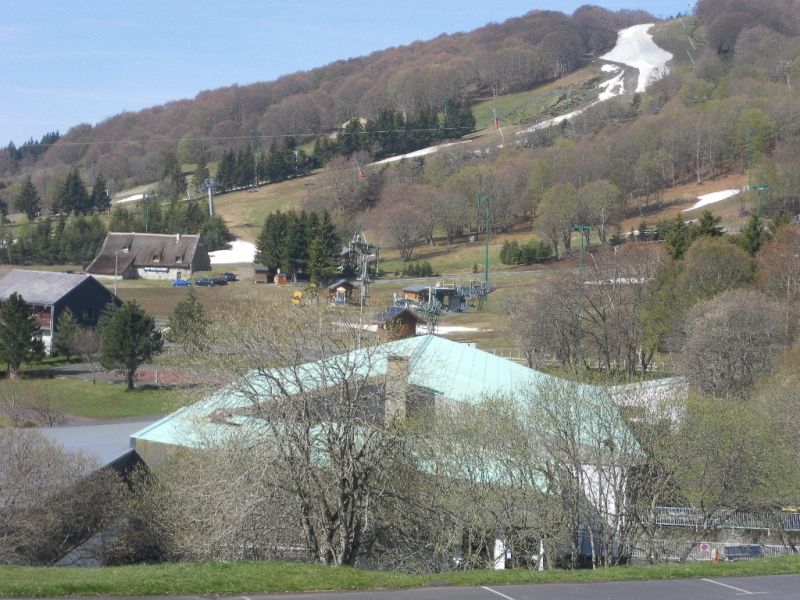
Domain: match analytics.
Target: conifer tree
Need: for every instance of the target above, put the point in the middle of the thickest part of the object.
(101, 198)
(74, 197)
(28, 201)
(20, 335)
(128, 339)
(201, 173)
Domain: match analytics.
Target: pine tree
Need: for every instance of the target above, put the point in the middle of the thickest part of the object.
(128, 339)
(173, 181)
(100, 198)
(20, 333)
(201, 173)
(678, 239)
(296, 247)
(320, 266)
(73, 197)
(65, 331)
(28, 201)
(226, 171)
(709, 225)
(753, 236)
(270, 243)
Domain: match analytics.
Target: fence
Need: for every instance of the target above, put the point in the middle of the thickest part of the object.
(674, 550)
(671, 516)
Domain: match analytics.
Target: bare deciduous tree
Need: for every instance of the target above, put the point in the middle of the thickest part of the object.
(732, 340)
(321, 435)
(50, 500)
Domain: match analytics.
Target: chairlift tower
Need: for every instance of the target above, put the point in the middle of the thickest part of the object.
(208, 184)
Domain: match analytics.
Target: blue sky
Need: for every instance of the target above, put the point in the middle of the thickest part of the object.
(65, 63)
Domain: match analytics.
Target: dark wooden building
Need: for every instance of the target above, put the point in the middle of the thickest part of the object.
(49, 294)
(341, 292)
(449, 297)
(396, 323)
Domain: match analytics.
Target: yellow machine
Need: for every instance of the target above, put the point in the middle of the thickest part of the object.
(297, 297)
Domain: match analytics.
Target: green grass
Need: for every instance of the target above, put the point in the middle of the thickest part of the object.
(80, 398)
(254, 577)
(525, 106)
(244, 212)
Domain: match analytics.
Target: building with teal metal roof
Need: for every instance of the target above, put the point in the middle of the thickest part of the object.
(448, 371)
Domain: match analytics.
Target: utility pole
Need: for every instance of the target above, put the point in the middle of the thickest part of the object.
(209, 185)
(487, 225)
(583, 229)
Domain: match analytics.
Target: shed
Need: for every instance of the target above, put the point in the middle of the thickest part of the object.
(451, 298)
(396, 323)
(262, 274)
(341, 292)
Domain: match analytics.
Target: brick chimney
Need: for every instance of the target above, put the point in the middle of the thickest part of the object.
(397, 389)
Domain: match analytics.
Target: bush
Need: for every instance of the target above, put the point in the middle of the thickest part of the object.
(535, 251)
(418, 269)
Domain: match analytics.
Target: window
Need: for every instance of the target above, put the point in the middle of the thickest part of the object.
(87, 314)
(156, 258)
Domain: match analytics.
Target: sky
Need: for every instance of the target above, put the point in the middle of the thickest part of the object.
(81, 61)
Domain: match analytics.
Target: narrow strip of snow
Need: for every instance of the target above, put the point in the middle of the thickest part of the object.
(422, 152)
(613, 87)
(134, 198)
(712, 198)
(636, 48)
(239, 252)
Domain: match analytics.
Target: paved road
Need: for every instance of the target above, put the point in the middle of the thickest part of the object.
(777, 587)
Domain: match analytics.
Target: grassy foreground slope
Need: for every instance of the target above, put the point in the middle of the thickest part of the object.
(253, 577)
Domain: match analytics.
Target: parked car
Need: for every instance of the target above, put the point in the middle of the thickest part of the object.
(204, 281)
(181, 283)
(220, 281)
(228, 276)
(742, 552)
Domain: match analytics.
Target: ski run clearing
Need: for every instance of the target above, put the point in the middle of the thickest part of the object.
(635, 48)
(712, 198)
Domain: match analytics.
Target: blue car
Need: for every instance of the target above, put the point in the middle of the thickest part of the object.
(181, 283)
(203, 281)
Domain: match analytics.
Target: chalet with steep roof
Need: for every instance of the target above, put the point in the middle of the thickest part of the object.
(150, 256)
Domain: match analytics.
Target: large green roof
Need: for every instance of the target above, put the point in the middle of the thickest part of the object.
(452, 370)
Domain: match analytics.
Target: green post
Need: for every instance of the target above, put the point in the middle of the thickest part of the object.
(487, 226)
(582, 229)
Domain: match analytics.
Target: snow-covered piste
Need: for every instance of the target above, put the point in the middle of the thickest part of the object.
(239, 252)
(636, 48)
(712, 198)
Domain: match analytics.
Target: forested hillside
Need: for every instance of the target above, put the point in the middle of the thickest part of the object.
(423, 76)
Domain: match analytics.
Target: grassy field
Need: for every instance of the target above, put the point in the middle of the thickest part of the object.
(255, 577)
(245, 211)
(80, 398)
(522, 107)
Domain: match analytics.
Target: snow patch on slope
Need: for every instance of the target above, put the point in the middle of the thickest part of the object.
(239, 252)
(636, 48)
(712, 198)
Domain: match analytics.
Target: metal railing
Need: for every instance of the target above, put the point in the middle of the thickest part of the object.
(672, 516)
(674, 550)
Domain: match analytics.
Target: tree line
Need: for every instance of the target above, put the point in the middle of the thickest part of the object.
(495, 59)
(301, 244)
